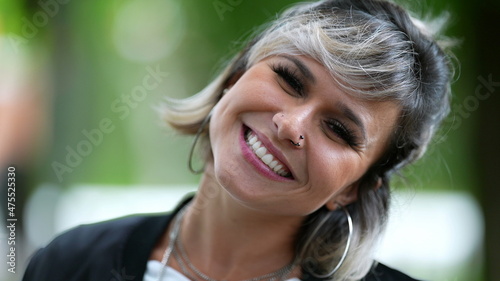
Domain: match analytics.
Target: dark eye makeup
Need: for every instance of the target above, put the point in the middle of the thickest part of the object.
(294, 81)
(344, 132)
(290, 76)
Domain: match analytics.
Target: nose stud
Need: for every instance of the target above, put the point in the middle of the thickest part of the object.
(301, 137)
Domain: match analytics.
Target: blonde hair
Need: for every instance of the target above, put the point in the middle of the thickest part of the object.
(374, 50)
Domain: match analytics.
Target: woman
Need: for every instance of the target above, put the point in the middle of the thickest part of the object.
(301, 132)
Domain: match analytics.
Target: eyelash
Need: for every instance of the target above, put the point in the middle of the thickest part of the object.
(290, 77)
(343, 132)
(338, 128)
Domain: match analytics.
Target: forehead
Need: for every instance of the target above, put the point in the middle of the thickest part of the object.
(381, 119)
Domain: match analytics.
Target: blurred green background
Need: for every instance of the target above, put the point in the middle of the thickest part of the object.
(91, 75)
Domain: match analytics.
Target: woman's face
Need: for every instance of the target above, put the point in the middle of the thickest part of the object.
(275, 102)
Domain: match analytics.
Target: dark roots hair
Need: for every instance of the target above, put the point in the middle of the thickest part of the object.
(374, 50)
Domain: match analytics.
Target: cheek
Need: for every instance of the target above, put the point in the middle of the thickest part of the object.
(256, 91)
(215, 125)
(334, 171)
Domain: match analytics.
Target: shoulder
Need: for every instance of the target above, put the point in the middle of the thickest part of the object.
(99, 235)
(382, 272)
(88, 251)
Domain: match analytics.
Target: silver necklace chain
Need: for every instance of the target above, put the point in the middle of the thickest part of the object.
(172, 236)
(280, 274)
(176, 248)
(182, 265)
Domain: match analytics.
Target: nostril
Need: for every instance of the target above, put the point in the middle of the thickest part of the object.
(277, 120)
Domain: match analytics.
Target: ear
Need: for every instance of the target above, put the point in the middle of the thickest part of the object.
(349, 195)
(378, 184)
(345, 197)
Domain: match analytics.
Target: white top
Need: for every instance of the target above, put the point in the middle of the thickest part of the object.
(170, 274)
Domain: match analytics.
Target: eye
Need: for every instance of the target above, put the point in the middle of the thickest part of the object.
(343, 132)
(290, 77)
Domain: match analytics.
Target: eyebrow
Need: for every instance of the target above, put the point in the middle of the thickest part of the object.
(349, 113)
(302, 67)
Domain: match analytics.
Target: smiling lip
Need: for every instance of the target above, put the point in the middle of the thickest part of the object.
(260, 166)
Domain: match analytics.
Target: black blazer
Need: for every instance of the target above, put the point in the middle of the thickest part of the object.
(118, 250)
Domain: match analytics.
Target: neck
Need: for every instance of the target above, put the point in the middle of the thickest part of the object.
(229, 241)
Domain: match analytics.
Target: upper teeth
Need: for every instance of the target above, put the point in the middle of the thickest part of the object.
(268, 159)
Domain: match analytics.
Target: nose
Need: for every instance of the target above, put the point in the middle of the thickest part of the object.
(292, 127)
